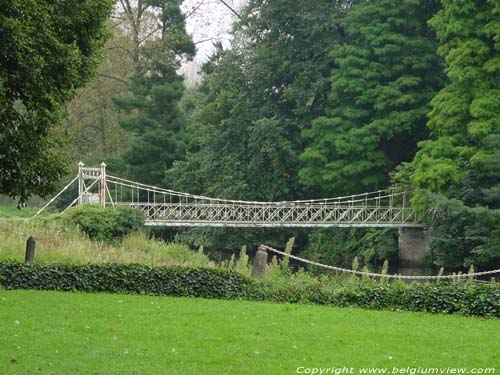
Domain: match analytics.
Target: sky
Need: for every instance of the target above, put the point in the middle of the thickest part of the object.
(207, 21)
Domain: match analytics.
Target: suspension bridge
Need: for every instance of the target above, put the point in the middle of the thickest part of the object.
(164, 207)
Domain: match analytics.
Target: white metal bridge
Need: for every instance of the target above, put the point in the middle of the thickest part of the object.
(164, 207)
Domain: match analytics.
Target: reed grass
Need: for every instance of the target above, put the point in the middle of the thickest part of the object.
(62, 243)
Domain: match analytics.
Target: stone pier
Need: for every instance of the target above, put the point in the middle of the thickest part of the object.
(413, 244)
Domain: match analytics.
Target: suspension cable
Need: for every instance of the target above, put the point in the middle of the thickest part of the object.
(345, 199)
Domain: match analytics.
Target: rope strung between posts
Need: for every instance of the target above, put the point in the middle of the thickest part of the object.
(373, 274)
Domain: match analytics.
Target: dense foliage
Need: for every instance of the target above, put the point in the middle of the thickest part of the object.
(312, 99)
(47, 50)
(467, 298)
(384, 75)
(450, 298)
(385, 70)
(371, 246)
(92, 121)
(156, 89)
(105, 224)
(458, 169)
(126, 278)
(254, 101)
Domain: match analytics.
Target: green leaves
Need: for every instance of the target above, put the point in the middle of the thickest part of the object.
(47, 51)
(255, 99)
(384, 75)
(105, 224)
(459, 162)
(450, 298)
(154, 115)
(127, 278)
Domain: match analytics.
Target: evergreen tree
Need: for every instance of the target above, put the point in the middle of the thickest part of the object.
(385, 73)
(156, 90)
(458, 170)
(383, 78)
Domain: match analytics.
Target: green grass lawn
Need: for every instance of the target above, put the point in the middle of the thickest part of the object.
(73, 333)
(11, 211)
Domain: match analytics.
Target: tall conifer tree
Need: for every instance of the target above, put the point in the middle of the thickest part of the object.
(156, 89)
(384, 76)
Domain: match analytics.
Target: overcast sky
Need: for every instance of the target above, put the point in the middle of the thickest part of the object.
(207, 21)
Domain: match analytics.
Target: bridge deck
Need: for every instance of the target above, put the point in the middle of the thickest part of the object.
(274, 215)
(164, 223)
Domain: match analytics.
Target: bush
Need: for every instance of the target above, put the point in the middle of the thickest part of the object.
(126, 278)
(105, 223)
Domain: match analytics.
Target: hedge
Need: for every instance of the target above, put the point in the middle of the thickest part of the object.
(126, 278)
(456, 297)
(466, 298)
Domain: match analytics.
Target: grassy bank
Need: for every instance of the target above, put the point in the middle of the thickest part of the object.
(65, 333)
(11, 211)
(57, 242)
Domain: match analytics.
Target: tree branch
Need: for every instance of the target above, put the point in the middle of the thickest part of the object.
(115, 78)
(149, 34)
(194, 9)
(230, 8)
(210, 39)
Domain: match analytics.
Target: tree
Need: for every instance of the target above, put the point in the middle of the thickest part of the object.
(457, 171)
(47, 50)
(156, 90)
(254, 101)
(275, 77)
(384, 75)
(92, 120)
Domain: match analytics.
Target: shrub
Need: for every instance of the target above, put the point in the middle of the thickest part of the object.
(126, 278)
(105, 223)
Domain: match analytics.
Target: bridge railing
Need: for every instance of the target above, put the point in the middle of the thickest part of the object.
(179, 214)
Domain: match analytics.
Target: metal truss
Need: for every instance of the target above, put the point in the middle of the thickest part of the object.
(283, 215)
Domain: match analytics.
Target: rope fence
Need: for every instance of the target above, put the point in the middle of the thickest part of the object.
(374, 274)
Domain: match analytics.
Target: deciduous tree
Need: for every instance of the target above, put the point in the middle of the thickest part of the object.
(47, 50)
(457, 171)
